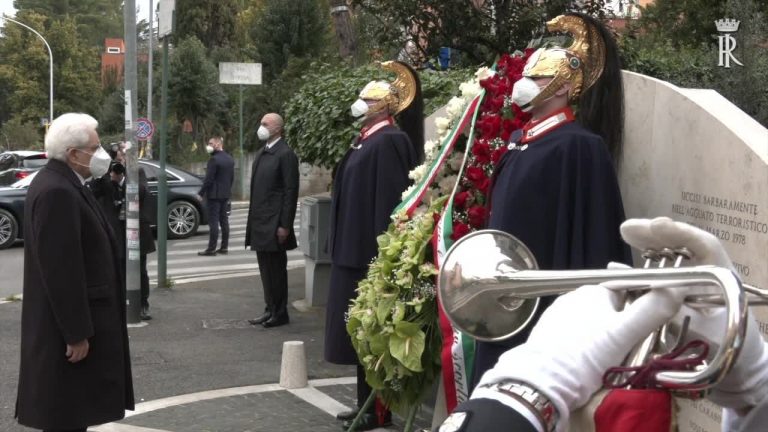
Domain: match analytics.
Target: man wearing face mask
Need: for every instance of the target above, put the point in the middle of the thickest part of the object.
(269, 230)
(556, 188)
(367, 187)
(75, 366)
(217, 190)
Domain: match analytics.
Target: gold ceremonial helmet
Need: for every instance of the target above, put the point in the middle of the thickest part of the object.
(580, 64)
(395, 96)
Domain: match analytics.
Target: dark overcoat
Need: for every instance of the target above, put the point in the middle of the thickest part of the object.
(368, 185)
(219, 175)
(274, 194)
(73, 290)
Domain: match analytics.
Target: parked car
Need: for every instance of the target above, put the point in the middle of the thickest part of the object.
(185, 212)
(15, 165)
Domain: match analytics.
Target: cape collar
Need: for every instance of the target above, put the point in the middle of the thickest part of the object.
(367, 131)
(535, 129)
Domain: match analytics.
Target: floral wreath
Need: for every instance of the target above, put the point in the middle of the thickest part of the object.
(394, 322)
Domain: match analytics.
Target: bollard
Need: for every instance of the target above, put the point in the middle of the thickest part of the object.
(293, 368)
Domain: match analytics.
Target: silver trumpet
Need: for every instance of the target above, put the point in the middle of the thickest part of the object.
(489, 287)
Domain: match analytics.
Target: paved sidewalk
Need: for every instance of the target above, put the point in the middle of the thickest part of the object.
(199, 366)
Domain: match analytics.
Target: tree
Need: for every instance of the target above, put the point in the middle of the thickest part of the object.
(342, 23)
(24, 69)
(95, 19)
(194, 91)
(211, 22)
(285, 29)
(481, 30)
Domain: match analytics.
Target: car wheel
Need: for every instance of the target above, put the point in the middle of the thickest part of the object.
(183, 219)
(9, 229)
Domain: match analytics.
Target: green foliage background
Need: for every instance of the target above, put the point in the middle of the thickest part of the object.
(318, 124)
(676, 41)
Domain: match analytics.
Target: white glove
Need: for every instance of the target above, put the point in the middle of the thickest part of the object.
(745, 384)
(576, 340)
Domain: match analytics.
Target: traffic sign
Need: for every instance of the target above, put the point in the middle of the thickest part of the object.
(144, 129)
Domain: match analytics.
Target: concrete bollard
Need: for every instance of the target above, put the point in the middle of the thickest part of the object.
(293, 368)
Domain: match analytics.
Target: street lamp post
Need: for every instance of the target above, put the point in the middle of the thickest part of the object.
(50, 56)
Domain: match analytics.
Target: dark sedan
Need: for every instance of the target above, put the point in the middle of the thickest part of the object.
(185, 212)
(15, 165)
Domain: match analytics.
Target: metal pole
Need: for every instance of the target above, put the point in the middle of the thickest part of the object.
(50, 69)
(132, 246)
(242, 155)
(148, 149)
(162, 186)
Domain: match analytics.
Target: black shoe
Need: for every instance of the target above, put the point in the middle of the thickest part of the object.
(348, 415)
(275, 321)
(222, 251)
(260, 320)
(368, 422)
(144, 315)
(207, 253)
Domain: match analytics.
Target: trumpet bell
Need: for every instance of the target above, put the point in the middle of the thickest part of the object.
(472, 271)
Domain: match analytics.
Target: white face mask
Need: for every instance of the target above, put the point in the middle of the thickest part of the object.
(263, 133)
(359, 108)
(209, 149)
(524, 91)
(100, 162)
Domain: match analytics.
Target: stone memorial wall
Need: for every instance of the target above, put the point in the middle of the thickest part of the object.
(695, 157)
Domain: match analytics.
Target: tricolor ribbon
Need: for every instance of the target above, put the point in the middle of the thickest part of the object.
(458, 349)
(413, 200)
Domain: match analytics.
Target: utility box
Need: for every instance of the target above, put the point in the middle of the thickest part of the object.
(313, 236)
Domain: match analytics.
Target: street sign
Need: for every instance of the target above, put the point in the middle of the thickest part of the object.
(144, 129)
(165, 10)
(240, 73)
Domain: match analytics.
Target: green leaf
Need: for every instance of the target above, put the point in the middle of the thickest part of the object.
(407, 345)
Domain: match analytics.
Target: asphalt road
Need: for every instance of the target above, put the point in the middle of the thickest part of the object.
(12, 263)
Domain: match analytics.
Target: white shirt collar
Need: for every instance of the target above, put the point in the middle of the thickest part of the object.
(81, 178)
(273, 142)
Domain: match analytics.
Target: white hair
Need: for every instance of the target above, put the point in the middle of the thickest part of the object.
(70, 130)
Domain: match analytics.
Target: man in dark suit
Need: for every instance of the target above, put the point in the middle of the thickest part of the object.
(269, 231)
(75, 365)
(217, 190)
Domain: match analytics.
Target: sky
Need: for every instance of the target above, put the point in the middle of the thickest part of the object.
(6, 7)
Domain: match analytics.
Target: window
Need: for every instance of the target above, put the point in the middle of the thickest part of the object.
(113, 50)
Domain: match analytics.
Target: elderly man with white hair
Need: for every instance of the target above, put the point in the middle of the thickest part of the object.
(75, 365)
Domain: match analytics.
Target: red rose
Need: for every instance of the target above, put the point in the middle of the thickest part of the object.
(475, 173)
(460, 199)
(497, 154)
(476, 216)
(505, 134)
(483, 185)
(459, 230)
(482, 152)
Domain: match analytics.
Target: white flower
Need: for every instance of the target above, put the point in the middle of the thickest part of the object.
(420, 210)
(447, 183)
(442, 124)
(408, 191)
(455, 161)
(470, 89)
(455, 106)
(418, 173)
(430, 150)
(430, 195)
(483, 73)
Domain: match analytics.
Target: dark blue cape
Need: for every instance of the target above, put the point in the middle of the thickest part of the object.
(368, 185)
(560, 197)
